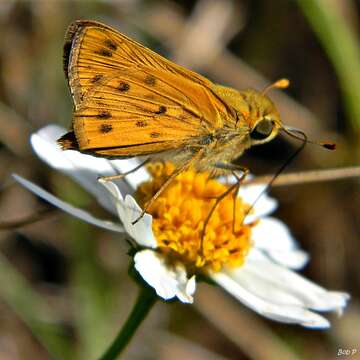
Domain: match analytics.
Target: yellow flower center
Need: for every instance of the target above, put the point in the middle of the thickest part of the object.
(179, 215)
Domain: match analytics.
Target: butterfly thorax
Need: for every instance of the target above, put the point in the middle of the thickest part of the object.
(248, 109)
(248, 106)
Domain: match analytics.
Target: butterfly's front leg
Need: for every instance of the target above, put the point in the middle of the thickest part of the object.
(234, 168)
(234, 189)
(168, 181)
(121, 176)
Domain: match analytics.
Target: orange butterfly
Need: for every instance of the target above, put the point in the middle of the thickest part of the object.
(130, 101)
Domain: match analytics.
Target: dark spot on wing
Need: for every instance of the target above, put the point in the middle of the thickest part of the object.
(162, 110)
(96, 78)
(104, 52)
(105, 128)
(104, 115)
(154, 135)
(141, 123)
(110, 44)
(123, 86)
(150, 80)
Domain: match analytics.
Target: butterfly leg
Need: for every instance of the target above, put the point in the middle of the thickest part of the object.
(233, 188)
(177, 171)
(121, 176)
(240, 179)
(206, 222)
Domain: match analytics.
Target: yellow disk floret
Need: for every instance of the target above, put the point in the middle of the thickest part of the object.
(179, 215)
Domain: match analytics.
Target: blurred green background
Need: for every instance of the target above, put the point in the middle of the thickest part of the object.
(64, 289)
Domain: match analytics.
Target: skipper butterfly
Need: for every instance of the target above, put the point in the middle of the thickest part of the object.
(129, 101)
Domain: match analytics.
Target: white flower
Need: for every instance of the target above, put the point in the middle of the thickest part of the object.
(264, 281)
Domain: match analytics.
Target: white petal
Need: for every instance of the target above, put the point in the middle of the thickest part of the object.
(283, 286)
(190, 287)
(272, 234)
(284, 313)
(262, 206)
(84, 169)
(169, 281)
(136, 178)
(274, 238)
(129, 211)
(294, 259)
(80, 214)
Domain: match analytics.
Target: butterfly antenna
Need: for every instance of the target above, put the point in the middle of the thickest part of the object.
(279, 84)
(299, 135)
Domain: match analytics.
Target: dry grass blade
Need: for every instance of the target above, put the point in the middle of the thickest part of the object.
(14, 131)
(177, 348)
(243, 328)
(207, 32)
(14, 224)
(304, 177)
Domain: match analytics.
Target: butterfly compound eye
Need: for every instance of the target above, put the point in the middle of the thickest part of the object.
(262, 130)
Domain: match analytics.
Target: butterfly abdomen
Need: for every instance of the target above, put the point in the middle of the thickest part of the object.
(68, 141)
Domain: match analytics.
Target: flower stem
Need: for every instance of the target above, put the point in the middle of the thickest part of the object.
(144, 303)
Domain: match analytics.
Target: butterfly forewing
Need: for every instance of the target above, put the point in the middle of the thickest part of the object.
(131, 101)
(93, 50)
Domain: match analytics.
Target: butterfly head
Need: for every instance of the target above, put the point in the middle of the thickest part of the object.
(261, 118)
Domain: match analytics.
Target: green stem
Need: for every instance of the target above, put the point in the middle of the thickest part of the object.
(144, 303)
(342, 46)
